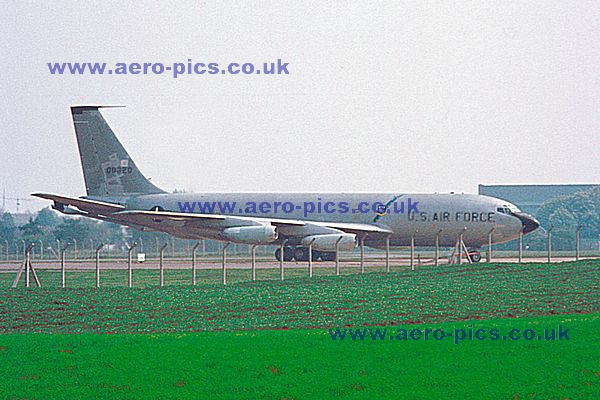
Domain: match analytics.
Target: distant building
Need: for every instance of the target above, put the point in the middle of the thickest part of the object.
(530, 197)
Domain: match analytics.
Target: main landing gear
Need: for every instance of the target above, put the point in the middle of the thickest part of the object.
(300, 253)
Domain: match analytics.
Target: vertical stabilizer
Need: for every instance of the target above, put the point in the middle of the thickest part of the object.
(107, 168)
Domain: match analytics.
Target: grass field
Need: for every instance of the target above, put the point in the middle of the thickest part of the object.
(269, 339)
(303, 364)
(428, 295)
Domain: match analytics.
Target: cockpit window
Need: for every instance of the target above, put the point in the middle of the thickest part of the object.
(513, 208)
(504, 210)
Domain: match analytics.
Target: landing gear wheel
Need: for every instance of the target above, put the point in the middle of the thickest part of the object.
(315, 255)
(278, 254)
(301, 254)
(288, 254)
(328, 255)
(475, 256)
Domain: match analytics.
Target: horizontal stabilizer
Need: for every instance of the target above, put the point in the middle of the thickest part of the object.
(89, 206)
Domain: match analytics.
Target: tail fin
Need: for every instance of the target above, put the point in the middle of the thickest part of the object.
(107, 168)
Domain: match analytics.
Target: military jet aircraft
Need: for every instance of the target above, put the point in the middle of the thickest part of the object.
(118, 192)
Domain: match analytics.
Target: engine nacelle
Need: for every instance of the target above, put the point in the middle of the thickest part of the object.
(251, 234)
(65, 209)
(327, 242)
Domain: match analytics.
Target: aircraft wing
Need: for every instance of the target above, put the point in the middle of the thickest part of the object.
(356, 228)
(83, 206)
(166, 220)
(243, 229)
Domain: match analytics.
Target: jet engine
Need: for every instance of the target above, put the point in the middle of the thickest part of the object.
(262, 234)
(327, 242)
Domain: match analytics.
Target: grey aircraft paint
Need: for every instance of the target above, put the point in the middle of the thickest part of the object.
(117, 191)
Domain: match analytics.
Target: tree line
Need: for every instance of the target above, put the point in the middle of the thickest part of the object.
(52, 229)
(564, 215)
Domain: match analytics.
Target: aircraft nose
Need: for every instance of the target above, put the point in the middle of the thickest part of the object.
(530, 224)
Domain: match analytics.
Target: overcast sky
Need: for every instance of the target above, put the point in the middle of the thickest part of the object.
(385, 97)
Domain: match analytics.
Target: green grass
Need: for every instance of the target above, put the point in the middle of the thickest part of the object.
(304, 364)
(251, 339)
(148, 278)
(428, 295)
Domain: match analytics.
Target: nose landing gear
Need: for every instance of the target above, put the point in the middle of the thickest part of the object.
(475, 255)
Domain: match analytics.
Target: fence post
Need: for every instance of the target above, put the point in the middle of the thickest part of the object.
(459, 248)
(27, 257)
(463, 246)
(362, 254)
(577, 242)
(550, 243)
(224, 276)
(412, 252)
(521, 245)
(100, 246)
(337, 256)
(161, 264)
(253, 253)
(310, 260)
(62, 264)
(489, 254)
(387, 253)
(129, 271)
(194, 263)
(437, 248)
(281, 251)
(28, 268)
